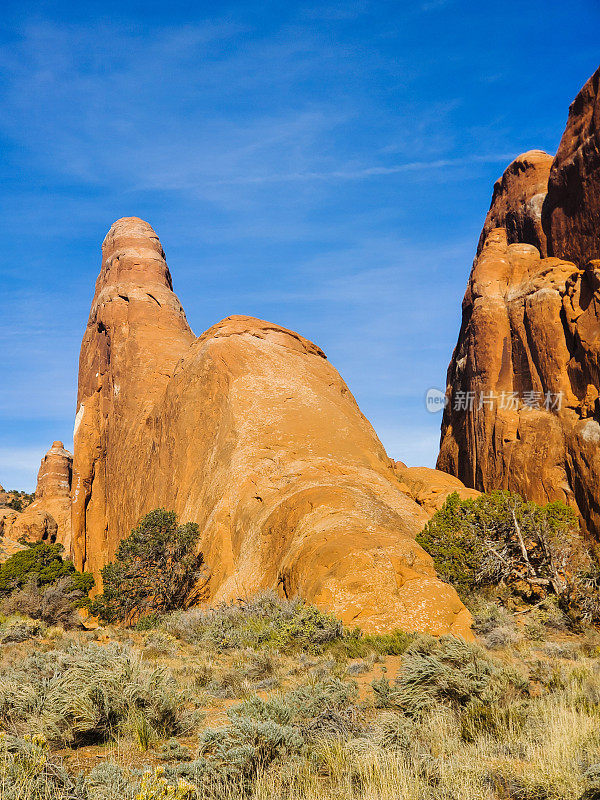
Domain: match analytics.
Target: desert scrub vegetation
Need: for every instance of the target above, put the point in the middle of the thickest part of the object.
(263, 621)
(39, 583)
(267, 699)
(18, 500)
(44, 564)
(500, 541)
(446, 671)
(321, 741)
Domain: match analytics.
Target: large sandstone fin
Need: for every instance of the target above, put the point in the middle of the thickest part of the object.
(572, 207)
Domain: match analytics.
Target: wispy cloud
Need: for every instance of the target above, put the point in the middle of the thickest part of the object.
(170, 114)
(374, 171)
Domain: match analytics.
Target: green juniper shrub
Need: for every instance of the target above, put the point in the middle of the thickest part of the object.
(38, 582)
(454, 543)
(500, 540)
(155, 570)
(149, 622)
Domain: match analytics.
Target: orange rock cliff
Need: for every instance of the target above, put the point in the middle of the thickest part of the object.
(522, 389)
(249, 431)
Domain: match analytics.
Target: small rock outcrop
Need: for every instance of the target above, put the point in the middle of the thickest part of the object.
(523, 383)
(249, 431)
(430, 487)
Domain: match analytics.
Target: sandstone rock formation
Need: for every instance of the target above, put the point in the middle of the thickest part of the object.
(136, 334)
(250, 432)
(48, 518)
(523, 410)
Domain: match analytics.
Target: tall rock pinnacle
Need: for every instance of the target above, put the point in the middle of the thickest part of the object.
(54, 476)
(251, 433)
(136, 334)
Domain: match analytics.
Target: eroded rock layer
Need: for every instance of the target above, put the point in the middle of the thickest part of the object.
(250, 432)
(523, 383)
(518, 199)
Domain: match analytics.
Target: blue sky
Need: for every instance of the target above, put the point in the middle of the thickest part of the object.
(326, 166)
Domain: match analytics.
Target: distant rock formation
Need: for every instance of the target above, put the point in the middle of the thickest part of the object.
(250, 432)
(7, 517)
(48, 518)
(523, 383)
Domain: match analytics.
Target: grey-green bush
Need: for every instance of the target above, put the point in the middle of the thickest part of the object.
(264, 621)
(446, 671)
(86, 694)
